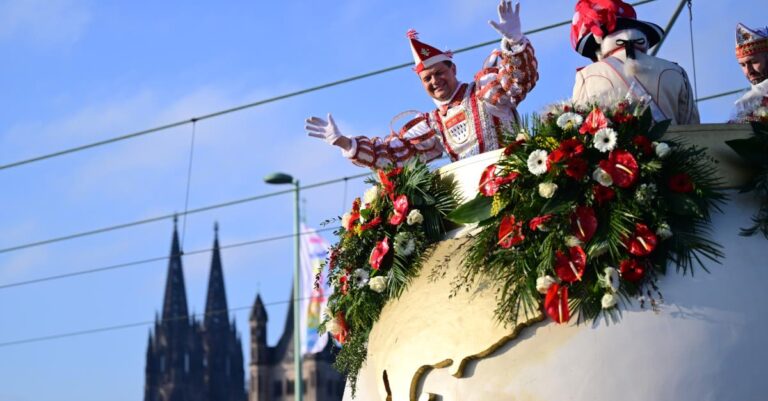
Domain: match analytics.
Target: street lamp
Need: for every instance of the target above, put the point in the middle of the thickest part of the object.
(282, 178)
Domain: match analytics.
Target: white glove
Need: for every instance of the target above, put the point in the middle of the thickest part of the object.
(325, 130)
(509, 21)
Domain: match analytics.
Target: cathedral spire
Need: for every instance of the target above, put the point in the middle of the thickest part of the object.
(175, 300)
(216, 314)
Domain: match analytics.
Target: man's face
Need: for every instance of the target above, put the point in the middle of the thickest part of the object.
(755, 67)
(439, 81)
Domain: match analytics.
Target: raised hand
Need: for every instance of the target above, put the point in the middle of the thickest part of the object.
(509, 21)
(327, 131)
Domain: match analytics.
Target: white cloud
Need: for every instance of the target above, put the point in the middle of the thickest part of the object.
(43, 22)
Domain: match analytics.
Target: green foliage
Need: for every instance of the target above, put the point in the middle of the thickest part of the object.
(355, 304)
(754, 151)
(658, 197)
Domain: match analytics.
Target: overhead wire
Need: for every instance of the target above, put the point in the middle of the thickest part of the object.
(157, 259)
(258, 102)
(131, 325)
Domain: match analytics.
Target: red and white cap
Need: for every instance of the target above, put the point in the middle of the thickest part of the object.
(424, 55)
(599, 18)
(750, 41)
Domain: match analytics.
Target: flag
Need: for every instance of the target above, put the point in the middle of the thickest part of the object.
(313, 252)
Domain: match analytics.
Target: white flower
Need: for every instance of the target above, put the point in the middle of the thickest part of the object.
(537, 162)
(371, 195)
(547, 189)
(405, 244)
(345, 220)
(543, 283)
(602, 177)
(569, 120)
(378, 284)
(333, 326)
(522, 136)
(611, 278)
(662, 149)
(609, 300)
(360, 278)
(414, 217)
(664, 231)
(572, 241)
(605, 140)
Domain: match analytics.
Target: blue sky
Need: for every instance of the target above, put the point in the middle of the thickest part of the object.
(75, 72)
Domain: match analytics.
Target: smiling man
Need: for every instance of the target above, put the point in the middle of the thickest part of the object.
(752, 56)
(471, 118)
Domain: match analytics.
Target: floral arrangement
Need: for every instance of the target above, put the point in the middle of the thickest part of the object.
(754, 150)
(754, 111)
(584, 210)
(381, 245)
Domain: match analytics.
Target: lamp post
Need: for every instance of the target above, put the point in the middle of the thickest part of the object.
(282, 178)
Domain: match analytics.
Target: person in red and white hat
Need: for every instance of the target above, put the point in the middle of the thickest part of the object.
(752, 55)
(470, 118)
(609, 33)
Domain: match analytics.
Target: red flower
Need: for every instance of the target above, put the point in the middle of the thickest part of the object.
(576, 168)
(594, 122)
(490, 183)
(389, 186)
(570, 268)
(401, 210)
(642, 242)
(644, 144)
(572, 147)
(556, 303)
(681, 182)
(622, 167)
(631, 270)
(377, 255)
(584, 223)
(539, 221)
(603, 194)
(341, 337)
(510, 232)
(354, 215)
(556, 156)
(332, 259)
(513, 147)
(344, 281)
(371, 224)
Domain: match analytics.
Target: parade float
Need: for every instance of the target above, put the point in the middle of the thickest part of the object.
(605, 259)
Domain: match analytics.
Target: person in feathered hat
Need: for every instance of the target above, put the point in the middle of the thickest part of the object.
(470, 118)
(609, 33)
(752, 55)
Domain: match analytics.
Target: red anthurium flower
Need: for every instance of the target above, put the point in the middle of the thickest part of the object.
(354, 215)
(510, 232)
(622, 167)
(631, 270)
(401, 210)
(344, 281)
(576, 168)
(389, 186)
(570, 268)
(371, 224)
(556, 303)
(377, 255)
(594, 122)
(603, 194)
(680, 183)
(513, 147)
(572, 147)
(556, 156)
(642, 242)
(644, 144)
(539, 222)
(584, 223)
(395, 172)
(488, 184)
(341, 337)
